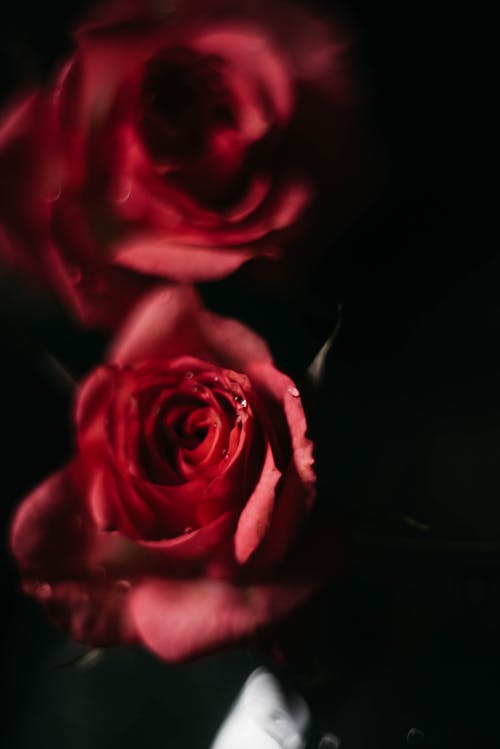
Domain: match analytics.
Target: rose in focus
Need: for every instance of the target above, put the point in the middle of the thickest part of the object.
(176, 144)
(180, 522)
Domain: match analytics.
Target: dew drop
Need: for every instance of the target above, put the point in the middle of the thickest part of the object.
(293, 391)
(215, 379)
(188, 529)
(189, 375)
(241, 401)
(225, 453)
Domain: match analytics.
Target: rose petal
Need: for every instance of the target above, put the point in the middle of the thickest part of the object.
(58, 551)
(241, 46)
(17, 120)
(171, 322)
(93, 398)
(297, 492)
(279, 386)
(173, 557)
(185, 618)
(115, 509)
(253, 198)
(174, 261)
(92, 611)
(51, 536)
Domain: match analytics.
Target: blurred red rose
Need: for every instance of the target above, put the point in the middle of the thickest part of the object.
(176, 145)
(178, 521)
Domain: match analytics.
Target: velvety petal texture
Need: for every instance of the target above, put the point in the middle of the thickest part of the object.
(178, 520)
(177, 145)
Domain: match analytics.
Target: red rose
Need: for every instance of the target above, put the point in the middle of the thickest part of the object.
(191, 485)
(174, 145)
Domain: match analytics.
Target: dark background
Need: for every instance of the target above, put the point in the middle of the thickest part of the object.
(409, 431)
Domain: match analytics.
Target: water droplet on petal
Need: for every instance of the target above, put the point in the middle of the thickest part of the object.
(188, 529)
(241, 401)
(189, 375)
(293, 391)
(215, 379)
(225, 453)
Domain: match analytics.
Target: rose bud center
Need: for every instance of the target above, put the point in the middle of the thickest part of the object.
(184, 100)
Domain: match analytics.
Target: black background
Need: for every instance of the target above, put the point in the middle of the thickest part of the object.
(409, 427)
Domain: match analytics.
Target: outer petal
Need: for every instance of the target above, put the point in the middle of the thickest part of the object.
(59, 552)
(281, 388)
(98, 295)
(178, 620)
(93, 612)
(50, 536)
(94, 396)
(179, 262)
(171, 322)
(297, 492)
